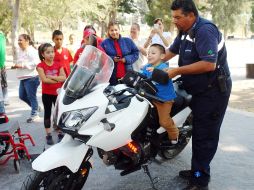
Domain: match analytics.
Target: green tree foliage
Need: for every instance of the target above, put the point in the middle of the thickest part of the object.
(42, 14)
(103, 11)
(127, 6)
(5, 17)
(28, 23)
(225, 12)
(99, 13)
(159, 9)
(50, 14)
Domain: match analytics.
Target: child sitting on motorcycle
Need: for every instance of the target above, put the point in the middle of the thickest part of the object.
(156, 54)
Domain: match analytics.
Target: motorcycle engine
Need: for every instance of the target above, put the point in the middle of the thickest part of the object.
(132, 153)
(109, 158)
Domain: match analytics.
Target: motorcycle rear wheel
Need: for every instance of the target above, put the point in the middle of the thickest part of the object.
(171, 153)
(184, 138)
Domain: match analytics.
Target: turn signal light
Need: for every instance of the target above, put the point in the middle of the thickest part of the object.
(83, 171)
(132, 147)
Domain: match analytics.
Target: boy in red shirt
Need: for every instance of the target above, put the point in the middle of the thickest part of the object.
(62, 55)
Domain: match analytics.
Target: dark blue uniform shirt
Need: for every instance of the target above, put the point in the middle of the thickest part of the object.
(202, 42)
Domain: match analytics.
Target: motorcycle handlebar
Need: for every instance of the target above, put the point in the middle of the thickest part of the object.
(150, 96)
(140, 93)
(144, 94)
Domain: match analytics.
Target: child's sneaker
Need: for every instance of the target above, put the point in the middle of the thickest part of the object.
(60, 137)
(32, 118)
(175, 141)
(49, 139)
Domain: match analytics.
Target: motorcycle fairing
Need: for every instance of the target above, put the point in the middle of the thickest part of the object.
(124, 126)
(67, 153)
(95, 98)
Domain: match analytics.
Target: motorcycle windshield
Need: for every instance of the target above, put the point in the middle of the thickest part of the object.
(94, 67)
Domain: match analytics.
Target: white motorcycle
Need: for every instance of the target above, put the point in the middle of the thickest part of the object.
(119, 121)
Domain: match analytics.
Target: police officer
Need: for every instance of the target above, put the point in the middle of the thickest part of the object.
(204, 70)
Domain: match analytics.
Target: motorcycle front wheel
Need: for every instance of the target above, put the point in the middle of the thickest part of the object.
(57, 179)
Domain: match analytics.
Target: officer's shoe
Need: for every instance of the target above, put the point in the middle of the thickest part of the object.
(185, 174)
(195, 187)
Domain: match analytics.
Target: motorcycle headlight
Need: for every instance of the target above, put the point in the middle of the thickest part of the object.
(73, 119)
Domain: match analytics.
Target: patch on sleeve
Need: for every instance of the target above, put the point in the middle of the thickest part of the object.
(210, 53)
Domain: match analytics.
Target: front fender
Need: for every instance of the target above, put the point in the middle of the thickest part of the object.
(68, 152)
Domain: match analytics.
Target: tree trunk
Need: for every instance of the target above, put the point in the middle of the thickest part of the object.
(103, 29)
(32, 34)
(14, 31)
(60, 25)
(246, 30)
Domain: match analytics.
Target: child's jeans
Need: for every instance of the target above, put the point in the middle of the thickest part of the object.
(165, 120)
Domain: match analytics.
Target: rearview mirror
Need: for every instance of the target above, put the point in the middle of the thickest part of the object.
(160, 76)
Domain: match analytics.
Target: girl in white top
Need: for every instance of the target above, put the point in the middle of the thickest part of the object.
(28, 59)
(157, 36)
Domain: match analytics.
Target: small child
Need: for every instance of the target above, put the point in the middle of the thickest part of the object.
(156, 54)
(85, 42)
(72, 46)
(62, 55)
(52, 76)
(88, 31)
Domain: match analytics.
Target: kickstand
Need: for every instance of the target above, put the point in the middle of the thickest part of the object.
(153, 180)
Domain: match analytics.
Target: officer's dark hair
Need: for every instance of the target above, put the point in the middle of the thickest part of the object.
(57, 33)
(187, 6)
(160, 47)
(42, 48)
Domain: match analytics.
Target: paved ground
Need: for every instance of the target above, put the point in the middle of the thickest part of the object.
(232, 167)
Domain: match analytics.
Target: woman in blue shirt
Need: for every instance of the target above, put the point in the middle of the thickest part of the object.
(122, 50)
